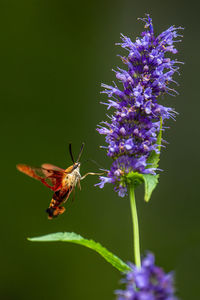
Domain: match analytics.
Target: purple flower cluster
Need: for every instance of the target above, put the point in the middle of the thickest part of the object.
(147, 283)
(133, 129)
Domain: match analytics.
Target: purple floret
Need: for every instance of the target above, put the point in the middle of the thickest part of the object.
(147, 283)
(133, 128)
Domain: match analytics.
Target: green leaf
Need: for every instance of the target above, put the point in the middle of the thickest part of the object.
(150, 182)
(72, 237)
(154, 158)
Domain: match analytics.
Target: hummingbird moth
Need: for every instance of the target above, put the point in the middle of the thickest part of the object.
(61, 181)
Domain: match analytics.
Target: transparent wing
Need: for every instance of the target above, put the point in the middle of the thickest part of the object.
(52, 167)
(51, 176)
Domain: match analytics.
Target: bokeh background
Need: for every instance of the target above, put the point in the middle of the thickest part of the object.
(53, 57)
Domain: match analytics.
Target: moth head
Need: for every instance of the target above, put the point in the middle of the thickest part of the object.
(76, 165)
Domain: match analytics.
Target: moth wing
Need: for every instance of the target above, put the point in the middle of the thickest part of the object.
(52, 172)
(52, 167)
(49, 177)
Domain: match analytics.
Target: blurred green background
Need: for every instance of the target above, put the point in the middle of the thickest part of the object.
(54, 55)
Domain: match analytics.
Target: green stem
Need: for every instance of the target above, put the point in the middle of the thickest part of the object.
(136, 238)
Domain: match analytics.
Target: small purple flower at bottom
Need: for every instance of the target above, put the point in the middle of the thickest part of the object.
(147, 283)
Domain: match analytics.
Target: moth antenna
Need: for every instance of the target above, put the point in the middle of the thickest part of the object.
(70, 151)
(81, 150)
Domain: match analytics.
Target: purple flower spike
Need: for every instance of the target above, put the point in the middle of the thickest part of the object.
(132, 132)
(147, 283)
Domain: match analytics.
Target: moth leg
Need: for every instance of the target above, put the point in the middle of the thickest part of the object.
(79, 185)
(90, 174)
